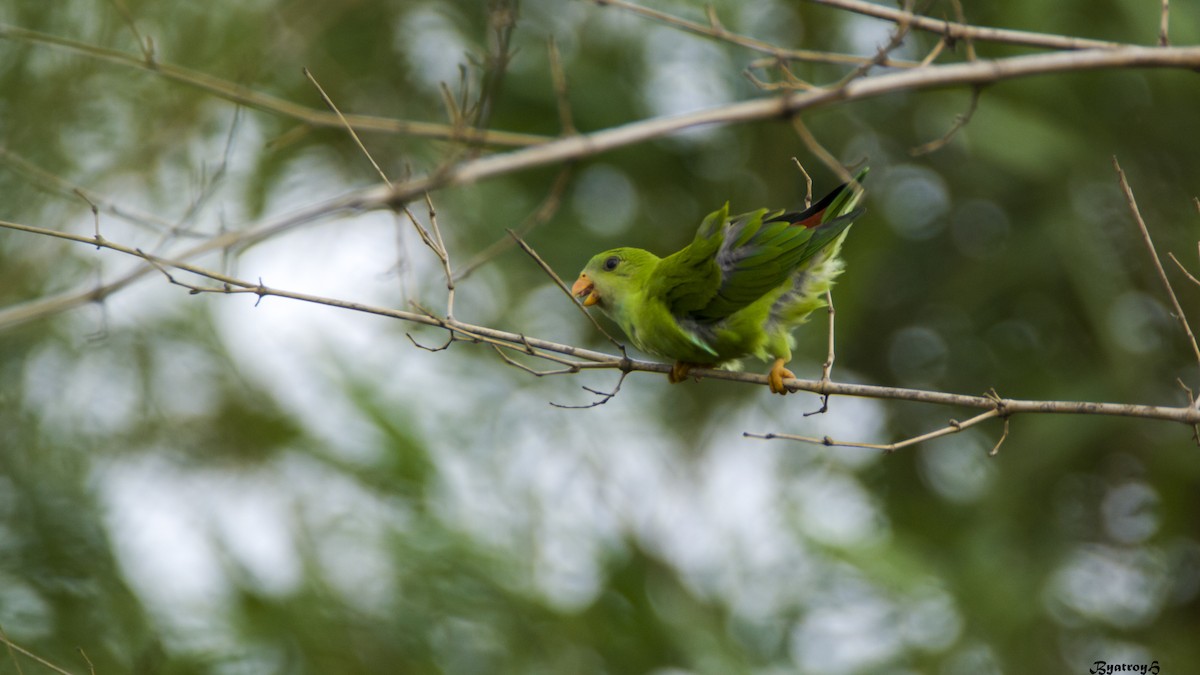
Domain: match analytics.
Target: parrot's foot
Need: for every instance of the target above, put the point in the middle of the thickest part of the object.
(679, 372)
(777, 375)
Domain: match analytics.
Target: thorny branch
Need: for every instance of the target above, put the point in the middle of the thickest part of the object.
(590, 359)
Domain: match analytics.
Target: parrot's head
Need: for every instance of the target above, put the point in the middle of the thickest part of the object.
(611, 276)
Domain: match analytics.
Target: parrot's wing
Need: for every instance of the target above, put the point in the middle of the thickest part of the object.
(688, 280)
(760, 251)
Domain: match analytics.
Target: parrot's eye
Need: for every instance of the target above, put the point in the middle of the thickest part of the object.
(611, 263)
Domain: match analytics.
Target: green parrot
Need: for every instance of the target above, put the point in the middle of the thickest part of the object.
(737, 290)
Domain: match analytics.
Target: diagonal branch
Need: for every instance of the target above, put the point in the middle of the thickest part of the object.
(266, 102)
(932, 77)
(1158, 266)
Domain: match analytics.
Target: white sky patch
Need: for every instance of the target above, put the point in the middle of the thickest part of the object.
(835, 509)
(685, 74)
(163, 543)
(433, 46)
(1124, 588)
(604, 200)
(858, 631)
(958, 468)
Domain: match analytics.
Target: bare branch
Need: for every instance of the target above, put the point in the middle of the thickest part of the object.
(14, 647)
(563, 287)
(814, 146)
(437, 245)
(952, 428)
(976, 72)
(349, 127)
(543, 213)
(962, 19)
(268, 103)
(1158, 267)
(717, 31)
(605, 396)
(1183, 269)
(1164, 22)
(1188, 414)
(960, 121)
(827, 367)
(559, 78)
(808, 183)
(960, 31)
(146, 45)
(48, 181)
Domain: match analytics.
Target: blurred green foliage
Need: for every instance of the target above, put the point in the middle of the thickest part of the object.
(190, 484)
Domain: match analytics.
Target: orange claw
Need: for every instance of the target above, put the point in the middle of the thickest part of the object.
(679, 372)
(777, 375)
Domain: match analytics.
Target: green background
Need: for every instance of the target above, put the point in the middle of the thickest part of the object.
(198, 484)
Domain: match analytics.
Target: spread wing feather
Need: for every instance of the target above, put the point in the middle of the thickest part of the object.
(734, 261)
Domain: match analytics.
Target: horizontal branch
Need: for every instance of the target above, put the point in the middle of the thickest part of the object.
(585, 145)
(961, 31)
(717, 31)
(272, 104)
(977, 72)
(1004, 407)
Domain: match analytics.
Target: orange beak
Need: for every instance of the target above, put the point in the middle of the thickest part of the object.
(584, 288)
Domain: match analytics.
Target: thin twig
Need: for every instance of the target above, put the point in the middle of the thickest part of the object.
(1158, 267)
(559, 78)
(346, 123)
(266, 102)
(1164, 22)
(881, 54)
(91, 667)
(814, 146)
(1183, 269)
(48, 181)
(952, 428)
(588, 145)
(1187, 414)
(562, 286)
(960, 121)
(543, 213)
(144, 44)
(962, 19)
(12, 655)
(605, 396)
(25, 652)
(938, 47)
(716, 31)
(959, 31)
(808, 183)
(437, 245)
(827, 367)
